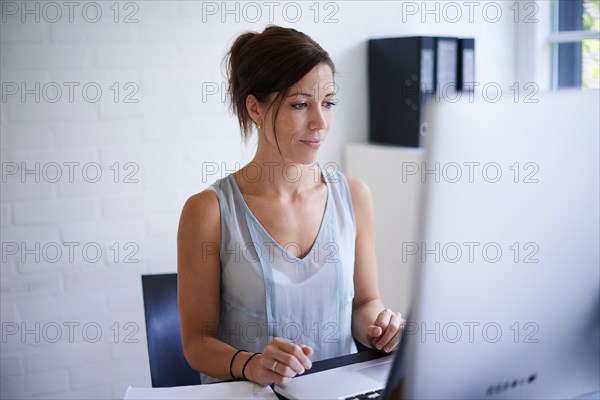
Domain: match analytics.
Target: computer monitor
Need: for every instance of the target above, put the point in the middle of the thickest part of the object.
(507, 292)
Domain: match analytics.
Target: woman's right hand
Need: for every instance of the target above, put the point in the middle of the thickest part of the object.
(280, 361)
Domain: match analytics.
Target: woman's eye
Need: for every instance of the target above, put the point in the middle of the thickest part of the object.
(329, 104)
(299, 106)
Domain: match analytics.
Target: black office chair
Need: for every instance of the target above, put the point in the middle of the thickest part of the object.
(168, 366)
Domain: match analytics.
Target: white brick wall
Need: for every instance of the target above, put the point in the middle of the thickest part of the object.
(168, 54)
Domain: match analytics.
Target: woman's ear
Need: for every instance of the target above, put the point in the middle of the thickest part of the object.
(255, 109)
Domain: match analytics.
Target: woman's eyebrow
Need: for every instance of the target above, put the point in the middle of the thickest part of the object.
(310, 95)
(300, 94)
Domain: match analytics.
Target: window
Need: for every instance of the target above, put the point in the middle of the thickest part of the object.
(576, 44)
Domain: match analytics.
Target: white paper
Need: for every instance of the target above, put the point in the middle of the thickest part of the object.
(227, 390)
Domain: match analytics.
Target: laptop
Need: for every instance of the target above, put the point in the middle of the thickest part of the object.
(359, 380)
(506, 298)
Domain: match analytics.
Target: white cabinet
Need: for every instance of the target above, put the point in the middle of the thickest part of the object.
(396, 201)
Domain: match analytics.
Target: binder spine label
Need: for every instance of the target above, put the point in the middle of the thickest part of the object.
(427, 74)
(468, 70)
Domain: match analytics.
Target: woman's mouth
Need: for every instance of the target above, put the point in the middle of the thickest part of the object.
(313, 144)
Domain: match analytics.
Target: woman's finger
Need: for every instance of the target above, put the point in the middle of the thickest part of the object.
(289, 356)
(383, 318)
(393, 328)
(374, 331)
(277, 367)
(393, 344)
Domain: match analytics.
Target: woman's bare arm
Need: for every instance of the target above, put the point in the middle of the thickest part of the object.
(198, 286)
(372, 324)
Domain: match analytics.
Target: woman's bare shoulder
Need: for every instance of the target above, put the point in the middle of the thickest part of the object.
(201, 214)
(359, 190)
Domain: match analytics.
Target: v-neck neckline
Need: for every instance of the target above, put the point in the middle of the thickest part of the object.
(253, 217)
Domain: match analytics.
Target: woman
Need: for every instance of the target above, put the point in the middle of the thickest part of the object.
(276, 262)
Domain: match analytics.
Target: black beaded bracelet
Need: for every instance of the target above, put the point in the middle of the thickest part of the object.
(231, 363)
(247, 362)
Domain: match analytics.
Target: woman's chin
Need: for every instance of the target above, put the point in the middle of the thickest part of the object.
(307, 160)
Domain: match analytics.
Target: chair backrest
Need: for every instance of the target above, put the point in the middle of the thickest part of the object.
(168, 366)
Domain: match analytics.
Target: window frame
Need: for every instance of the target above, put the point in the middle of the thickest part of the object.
(556, 37)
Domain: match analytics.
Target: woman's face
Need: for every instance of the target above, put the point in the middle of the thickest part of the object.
(304, 117)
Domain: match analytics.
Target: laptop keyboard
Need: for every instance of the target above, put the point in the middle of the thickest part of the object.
(367, 396)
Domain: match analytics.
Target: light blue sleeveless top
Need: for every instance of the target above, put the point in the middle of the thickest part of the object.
(267, 292)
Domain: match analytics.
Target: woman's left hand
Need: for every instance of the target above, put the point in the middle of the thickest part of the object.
(384, 333)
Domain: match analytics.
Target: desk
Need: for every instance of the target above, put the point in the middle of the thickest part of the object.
(330, 363)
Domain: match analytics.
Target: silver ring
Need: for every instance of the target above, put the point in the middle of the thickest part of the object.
(274, 365)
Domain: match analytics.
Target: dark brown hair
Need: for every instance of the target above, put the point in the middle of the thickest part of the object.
(265, 63)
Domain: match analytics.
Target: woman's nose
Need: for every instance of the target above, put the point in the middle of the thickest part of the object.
(318, 120)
